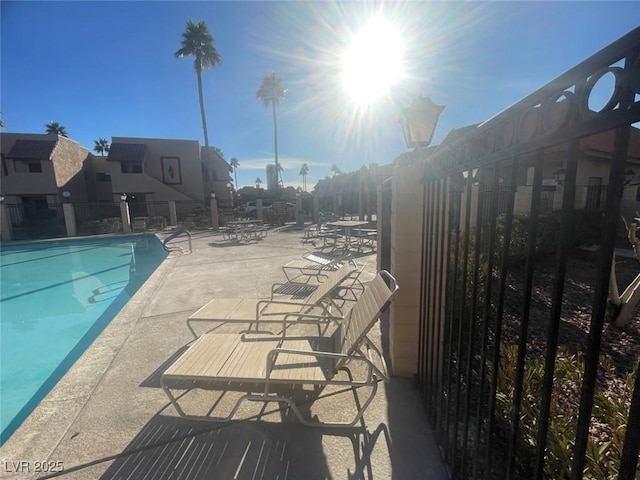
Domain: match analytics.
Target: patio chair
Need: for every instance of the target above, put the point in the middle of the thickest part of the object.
(253, 311)
(274, 368)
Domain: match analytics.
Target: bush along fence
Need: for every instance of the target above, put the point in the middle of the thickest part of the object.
(521, 367)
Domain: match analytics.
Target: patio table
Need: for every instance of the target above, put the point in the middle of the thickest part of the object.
(242, 226)
(347, 225)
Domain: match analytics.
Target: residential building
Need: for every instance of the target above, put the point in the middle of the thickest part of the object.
(150, 170)
(38, 168)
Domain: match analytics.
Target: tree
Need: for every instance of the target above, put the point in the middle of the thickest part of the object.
(336, 171)
(56, 128)
(304, 171)
(235, 164)
(280, 169)
(258, 182)
(218, 150)
(199, 43)
(101, 146)
(270, 93)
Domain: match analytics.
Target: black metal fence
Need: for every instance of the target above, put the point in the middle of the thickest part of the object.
(596, 197)
(29, 223)
(97, 218)
(520, 372)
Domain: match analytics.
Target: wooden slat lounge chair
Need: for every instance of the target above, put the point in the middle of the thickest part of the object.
(272, 368)
(254, 311)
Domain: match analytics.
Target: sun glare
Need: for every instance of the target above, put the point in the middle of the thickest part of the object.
(373, 61)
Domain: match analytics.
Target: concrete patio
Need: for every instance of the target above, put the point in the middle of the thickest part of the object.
(108, 417)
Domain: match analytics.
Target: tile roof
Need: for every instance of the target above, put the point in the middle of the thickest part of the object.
(127, 152)
(32, 149)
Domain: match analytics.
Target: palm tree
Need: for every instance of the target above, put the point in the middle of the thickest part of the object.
(198, 42)
(101, 146)
(270, 93)
(235, 164)
(280, 169)
(258, 182)
(336, 171)
(304, 170)
(56, 128)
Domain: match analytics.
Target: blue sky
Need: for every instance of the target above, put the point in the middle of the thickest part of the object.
(106, 69)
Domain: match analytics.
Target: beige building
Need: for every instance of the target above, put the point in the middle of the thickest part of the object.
(37, 168)
(150, 170)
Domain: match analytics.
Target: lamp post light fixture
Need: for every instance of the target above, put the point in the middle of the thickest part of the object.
(629, 175)
(213, 195)
(560, 176)
(123, 197)
(66, 195)
(419, 121)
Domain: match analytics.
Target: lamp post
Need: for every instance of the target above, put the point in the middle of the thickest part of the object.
(215, 220)
(419, 121)
(124, 214)
(230, 193)
(629, 175)
(67, 196)
(299, 211)
(560, 175)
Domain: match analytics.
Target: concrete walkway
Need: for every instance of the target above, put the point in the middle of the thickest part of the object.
(108, 417)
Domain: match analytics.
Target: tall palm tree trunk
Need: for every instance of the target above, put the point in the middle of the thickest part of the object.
(202, 114)
(235, 175)
(275, 143)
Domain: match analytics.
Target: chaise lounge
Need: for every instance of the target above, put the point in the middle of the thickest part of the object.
(321, 304)
(278, 368)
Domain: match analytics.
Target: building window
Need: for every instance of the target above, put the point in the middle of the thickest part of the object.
(35, 167)
(103, 177)
(131, 167)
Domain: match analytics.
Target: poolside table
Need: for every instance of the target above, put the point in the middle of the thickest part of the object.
(347, 225)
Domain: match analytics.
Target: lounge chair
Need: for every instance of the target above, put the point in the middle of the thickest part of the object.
(272, 368)
(312, 266)
(255, 311)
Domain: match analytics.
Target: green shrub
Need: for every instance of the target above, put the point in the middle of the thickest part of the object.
(546, 238)
(156, 223)
(96, 227)
(610, 413)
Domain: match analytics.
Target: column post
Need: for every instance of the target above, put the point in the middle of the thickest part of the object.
(69, 219)
(6, 230)
(259, 210)
(215, 219)
(124, 214)
(173, 216)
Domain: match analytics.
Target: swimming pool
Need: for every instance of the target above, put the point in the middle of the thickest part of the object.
(55, 299)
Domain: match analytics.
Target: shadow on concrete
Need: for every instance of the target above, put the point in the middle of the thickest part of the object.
(171, 448)
(234, 243)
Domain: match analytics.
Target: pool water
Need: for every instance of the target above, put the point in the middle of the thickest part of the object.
(55, 299)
